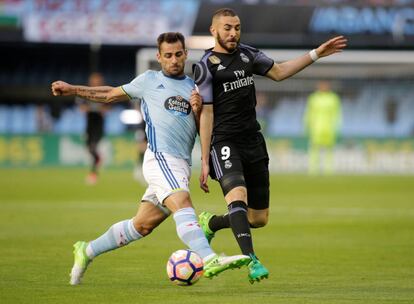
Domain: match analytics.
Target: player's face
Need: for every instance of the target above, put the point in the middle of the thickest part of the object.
(172, 58)
(226, 30)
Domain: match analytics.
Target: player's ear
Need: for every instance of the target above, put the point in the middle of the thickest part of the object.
(213, 30)
(158, 57)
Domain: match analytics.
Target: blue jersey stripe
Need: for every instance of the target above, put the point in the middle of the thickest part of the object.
(147, 121)
(154, 138)
(150, 130)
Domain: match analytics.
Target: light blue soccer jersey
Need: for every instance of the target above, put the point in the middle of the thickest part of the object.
(170, 124)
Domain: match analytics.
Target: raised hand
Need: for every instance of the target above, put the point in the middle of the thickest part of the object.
(61, 88)
(332, 46)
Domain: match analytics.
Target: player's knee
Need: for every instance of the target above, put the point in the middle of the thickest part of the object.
(258, 222)
(143, 228)
(237, 194)
(231, 183)
(178, 200)
(258, 218)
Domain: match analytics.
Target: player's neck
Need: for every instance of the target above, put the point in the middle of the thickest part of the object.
(219, 49)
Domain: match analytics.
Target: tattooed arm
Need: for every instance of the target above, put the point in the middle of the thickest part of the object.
(103, 94)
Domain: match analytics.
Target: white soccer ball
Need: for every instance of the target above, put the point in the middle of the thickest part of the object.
(184, 267)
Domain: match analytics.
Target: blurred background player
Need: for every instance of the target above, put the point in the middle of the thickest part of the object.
(322, 121)
(94, 132)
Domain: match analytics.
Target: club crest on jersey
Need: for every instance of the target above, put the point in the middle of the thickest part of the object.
(177, 105)
(244, 58)
(214, 59)
(227, 164)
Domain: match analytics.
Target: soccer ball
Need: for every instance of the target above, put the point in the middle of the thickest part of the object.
(184, 267)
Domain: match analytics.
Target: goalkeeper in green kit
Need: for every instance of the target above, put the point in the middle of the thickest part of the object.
(322, 122)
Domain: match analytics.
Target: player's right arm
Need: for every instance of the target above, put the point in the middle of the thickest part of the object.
(103, 94)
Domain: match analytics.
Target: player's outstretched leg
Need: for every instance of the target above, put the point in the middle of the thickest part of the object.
(257, 271)
(118, 235)
(81, 262)
(218, 264)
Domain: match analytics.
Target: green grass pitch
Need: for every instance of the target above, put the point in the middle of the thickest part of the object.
(345, 239)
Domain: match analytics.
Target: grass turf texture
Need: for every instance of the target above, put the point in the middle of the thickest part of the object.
(329, 240)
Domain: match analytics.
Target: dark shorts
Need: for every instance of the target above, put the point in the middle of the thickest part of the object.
(94, 128)
(92, 138)
(247, 157)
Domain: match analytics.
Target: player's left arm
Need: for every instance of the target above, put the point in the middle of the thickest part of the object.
(289, 68)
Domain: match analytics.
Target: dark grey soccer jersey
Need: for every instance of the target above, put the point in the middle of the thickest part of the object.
(226, 81)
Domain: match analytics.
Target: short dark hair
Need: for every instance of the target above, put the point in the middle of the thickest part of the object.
(170, 37)
(224, 12)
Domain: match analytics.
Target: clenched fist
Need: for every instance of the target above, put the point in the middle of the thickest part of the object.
(61, 88)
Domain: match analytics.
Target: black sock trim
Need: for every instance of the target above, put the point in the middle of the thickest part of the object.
(237, 206)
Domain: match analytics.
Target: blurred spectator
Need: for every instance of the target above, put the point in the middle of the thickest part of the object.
(263, 110)
(391, 109)
(94, 126)
(322, 120)
(44, 121)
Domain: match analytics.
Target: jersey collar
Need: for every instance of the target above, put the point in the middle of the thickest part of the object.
(234, 52)
(174, 77)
